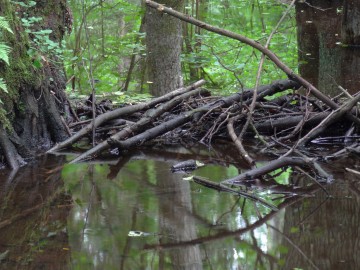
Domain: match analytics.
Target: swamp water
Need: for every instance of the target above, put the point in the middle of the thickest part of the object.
(133, 213)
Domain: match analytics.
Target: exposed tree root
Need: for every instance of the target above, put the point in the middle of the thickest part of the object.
(13, 159)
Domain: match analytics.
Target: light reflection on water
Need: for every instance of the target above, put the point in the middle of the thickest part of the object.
(186, 226)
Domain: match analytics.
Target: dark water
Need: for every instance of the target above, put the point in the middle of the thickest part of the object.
(134, 213)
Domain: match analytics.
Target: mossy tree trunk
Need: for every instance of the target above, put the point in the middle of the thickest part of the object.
(30, 115)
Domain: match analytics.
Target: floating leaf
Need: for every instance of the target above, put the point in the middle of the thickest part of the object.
(138, 234)
(189, 178)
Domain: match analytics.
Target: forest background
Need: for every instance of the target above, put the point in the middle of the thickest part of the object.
(115, 46)
(99, 47)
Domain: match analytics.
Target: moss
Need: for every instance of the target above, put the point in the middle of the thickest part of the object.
(4, 120)
(20, 73)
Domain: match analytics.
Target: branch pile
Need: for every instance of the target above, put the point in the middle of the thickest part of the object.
(283, 123)
(191, 114)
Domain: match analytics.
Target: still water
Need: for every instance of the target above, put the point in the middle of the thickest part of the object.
(133, 213)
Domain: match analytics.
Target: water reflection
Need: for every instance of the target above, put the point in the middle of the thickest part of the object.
(328, 39)
(34, 209)
(181, 225)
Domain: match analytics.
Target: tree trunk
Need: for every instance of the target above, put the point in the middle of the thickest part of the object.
(163, 42)
(30, 113)
(328, 36)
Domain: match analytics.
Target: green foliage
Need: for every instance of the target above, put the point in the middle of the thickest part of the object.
(4, 49)
(230, 64)
(4, 52)
(41, 43)
(3, 85)
(4, 25)
(114, 38)
(23, 4)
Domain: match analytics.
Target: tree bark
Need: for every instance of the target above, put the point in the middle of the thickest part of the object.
(30, 113)
(163, 43)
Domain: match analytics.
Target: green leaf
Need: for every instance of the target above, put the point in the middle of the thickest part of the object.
(4, 24)
(3, 85)
(4, 52)
(37, 63)
(294, 229)
(43, 32)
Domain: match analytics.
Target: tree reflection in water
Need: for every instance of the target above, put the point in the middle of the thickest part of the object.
(33, 217)
(185, 225)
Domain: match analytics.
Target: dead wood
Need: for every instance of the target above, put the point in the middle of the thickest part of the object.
(121, 141)
(122, 111)
(195, 116)
(238, 143)
(276, 164)
(331, 118)
(150, 116)
(288, 122)
(221, 187)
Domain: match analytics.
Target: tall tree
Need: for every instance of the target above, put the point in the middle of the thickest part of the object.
(163, 42)
(30, 117)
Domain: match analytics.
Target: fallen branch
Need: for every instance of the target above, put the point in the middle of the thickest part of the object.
(120, 112)
(238, 143)
(276, 164)
(115, 140)
(220, 187)
(330, 119)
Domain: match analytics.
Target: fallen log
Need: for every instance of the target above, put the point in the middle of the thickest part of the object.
(115, 140)
(119, 139)
(269, 126)
(277, 164)
(122, 111)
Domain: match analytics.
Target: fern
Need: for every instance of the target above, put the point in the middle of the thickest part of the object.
(4, 24)
(3, 85)
(4, 52)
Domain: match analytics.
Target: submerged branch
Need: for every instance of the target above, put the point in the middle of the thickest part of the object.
(277, 164)
(220, 187)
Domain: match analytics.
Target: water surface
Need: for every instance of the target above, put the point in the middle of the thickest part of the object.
(133, 213)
